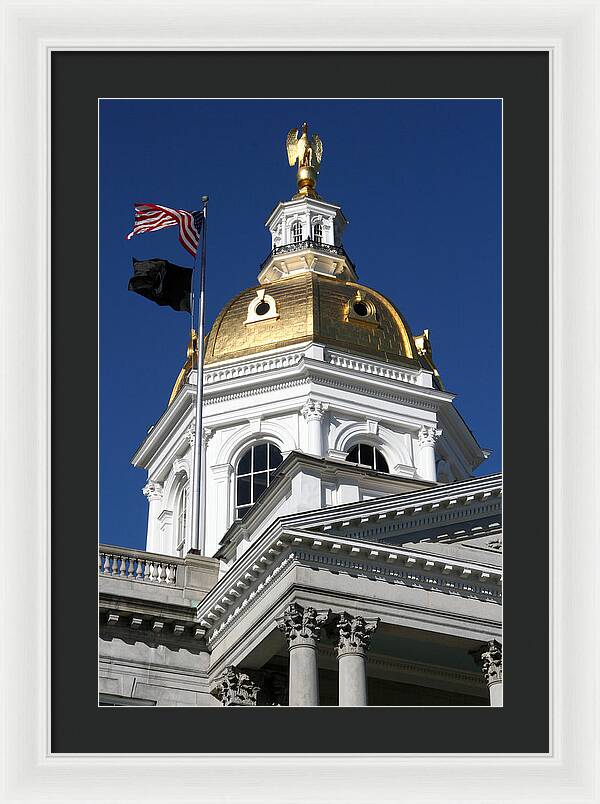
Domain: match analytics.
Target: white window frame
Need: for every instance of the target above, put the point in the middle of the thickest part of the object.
(318, 233)
(181, 519)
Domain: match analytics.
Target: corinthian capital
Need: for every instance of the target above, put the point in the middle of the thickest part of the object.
(313, 410)
(489, 657)
(190, 434)
(354, 633)
(153, 490)
(428, 435)
(235, 688)
(302, 625)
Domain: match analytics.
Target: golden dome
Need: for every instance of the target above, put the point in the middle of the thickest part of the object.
(311, 307)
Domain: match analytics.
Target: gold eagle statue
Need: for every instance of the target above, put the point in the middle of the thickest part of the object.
(308, 152)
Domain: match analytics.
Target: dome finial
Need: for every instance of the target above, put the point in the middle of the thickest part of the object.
(308, 151)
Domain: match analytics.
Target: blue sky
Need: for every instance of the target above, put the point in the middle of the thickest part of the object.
(419, 181)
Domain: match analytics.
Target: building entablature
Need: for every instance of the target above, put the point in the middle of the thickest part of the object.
(409, 506)
(280, 548)
(412, 511)
(315, 361)
(471, 511)
(280, 375)
(274, 362)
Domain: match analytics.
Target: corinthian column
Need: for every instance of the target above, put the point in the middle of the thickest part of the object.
(302, 627)
(235, 688)
(313, 412)
(428, 435)
(489, 657)
(153, 492)
(353, 643)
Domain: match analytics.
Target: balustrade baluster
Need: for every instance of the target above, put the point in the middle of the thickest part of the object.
(137, 567)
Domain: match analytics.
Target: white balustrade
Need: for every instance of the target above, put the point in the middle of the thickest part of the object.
(139, 566)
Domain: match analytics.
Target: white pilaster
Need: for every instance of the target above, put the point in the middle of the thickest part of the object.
(428, 435)
(153, 491)
(218, 506)
(313, 412)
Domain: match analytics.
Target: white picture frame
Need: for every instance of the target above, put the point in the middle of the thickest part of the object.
(569, 30)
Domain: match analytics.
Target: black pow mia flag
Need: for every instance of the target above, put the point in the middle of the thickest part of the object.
(162, 282)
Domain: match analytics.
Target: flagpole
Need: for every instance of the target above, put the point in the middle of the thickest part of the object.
(198, 507)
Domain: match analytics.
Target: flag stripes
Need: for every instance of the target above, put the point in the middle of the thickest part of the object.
(152, 217)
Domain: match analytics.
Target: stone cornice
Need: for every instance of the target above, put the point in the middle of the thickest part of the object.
(165, 623)
(256, 569)
(451, 516)
(170, 418)
(422, 400)
(431, 501)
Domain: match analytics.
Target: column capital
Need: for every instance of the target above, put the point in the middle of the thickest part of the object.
(489, 657)
(153, 490)
(313, 410)
(428, 435)
(235, 688)
(190, 434)
(302, 626)
(354, 633)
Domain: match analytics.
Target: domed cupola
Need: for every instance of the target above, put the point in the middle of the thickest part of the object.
(313, 384)
(310, 306)
(308, 287)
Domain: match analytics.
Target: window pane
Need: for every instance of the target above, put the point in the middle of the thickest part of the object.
(353, 455)
(245, 464)
(367, 457)
(380, 462)
(260, 457)
(275, 456)
(241, 510)
(259, 484)
(243, 491)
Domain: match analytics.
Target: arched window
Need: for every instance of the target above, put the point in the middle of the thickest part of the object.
(318, 233)
(297, 232)
(181, 521)
(254, 472)
(366, 455)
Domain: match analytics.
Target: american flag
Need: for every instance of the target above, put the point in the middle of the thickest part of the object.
(151, 217)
